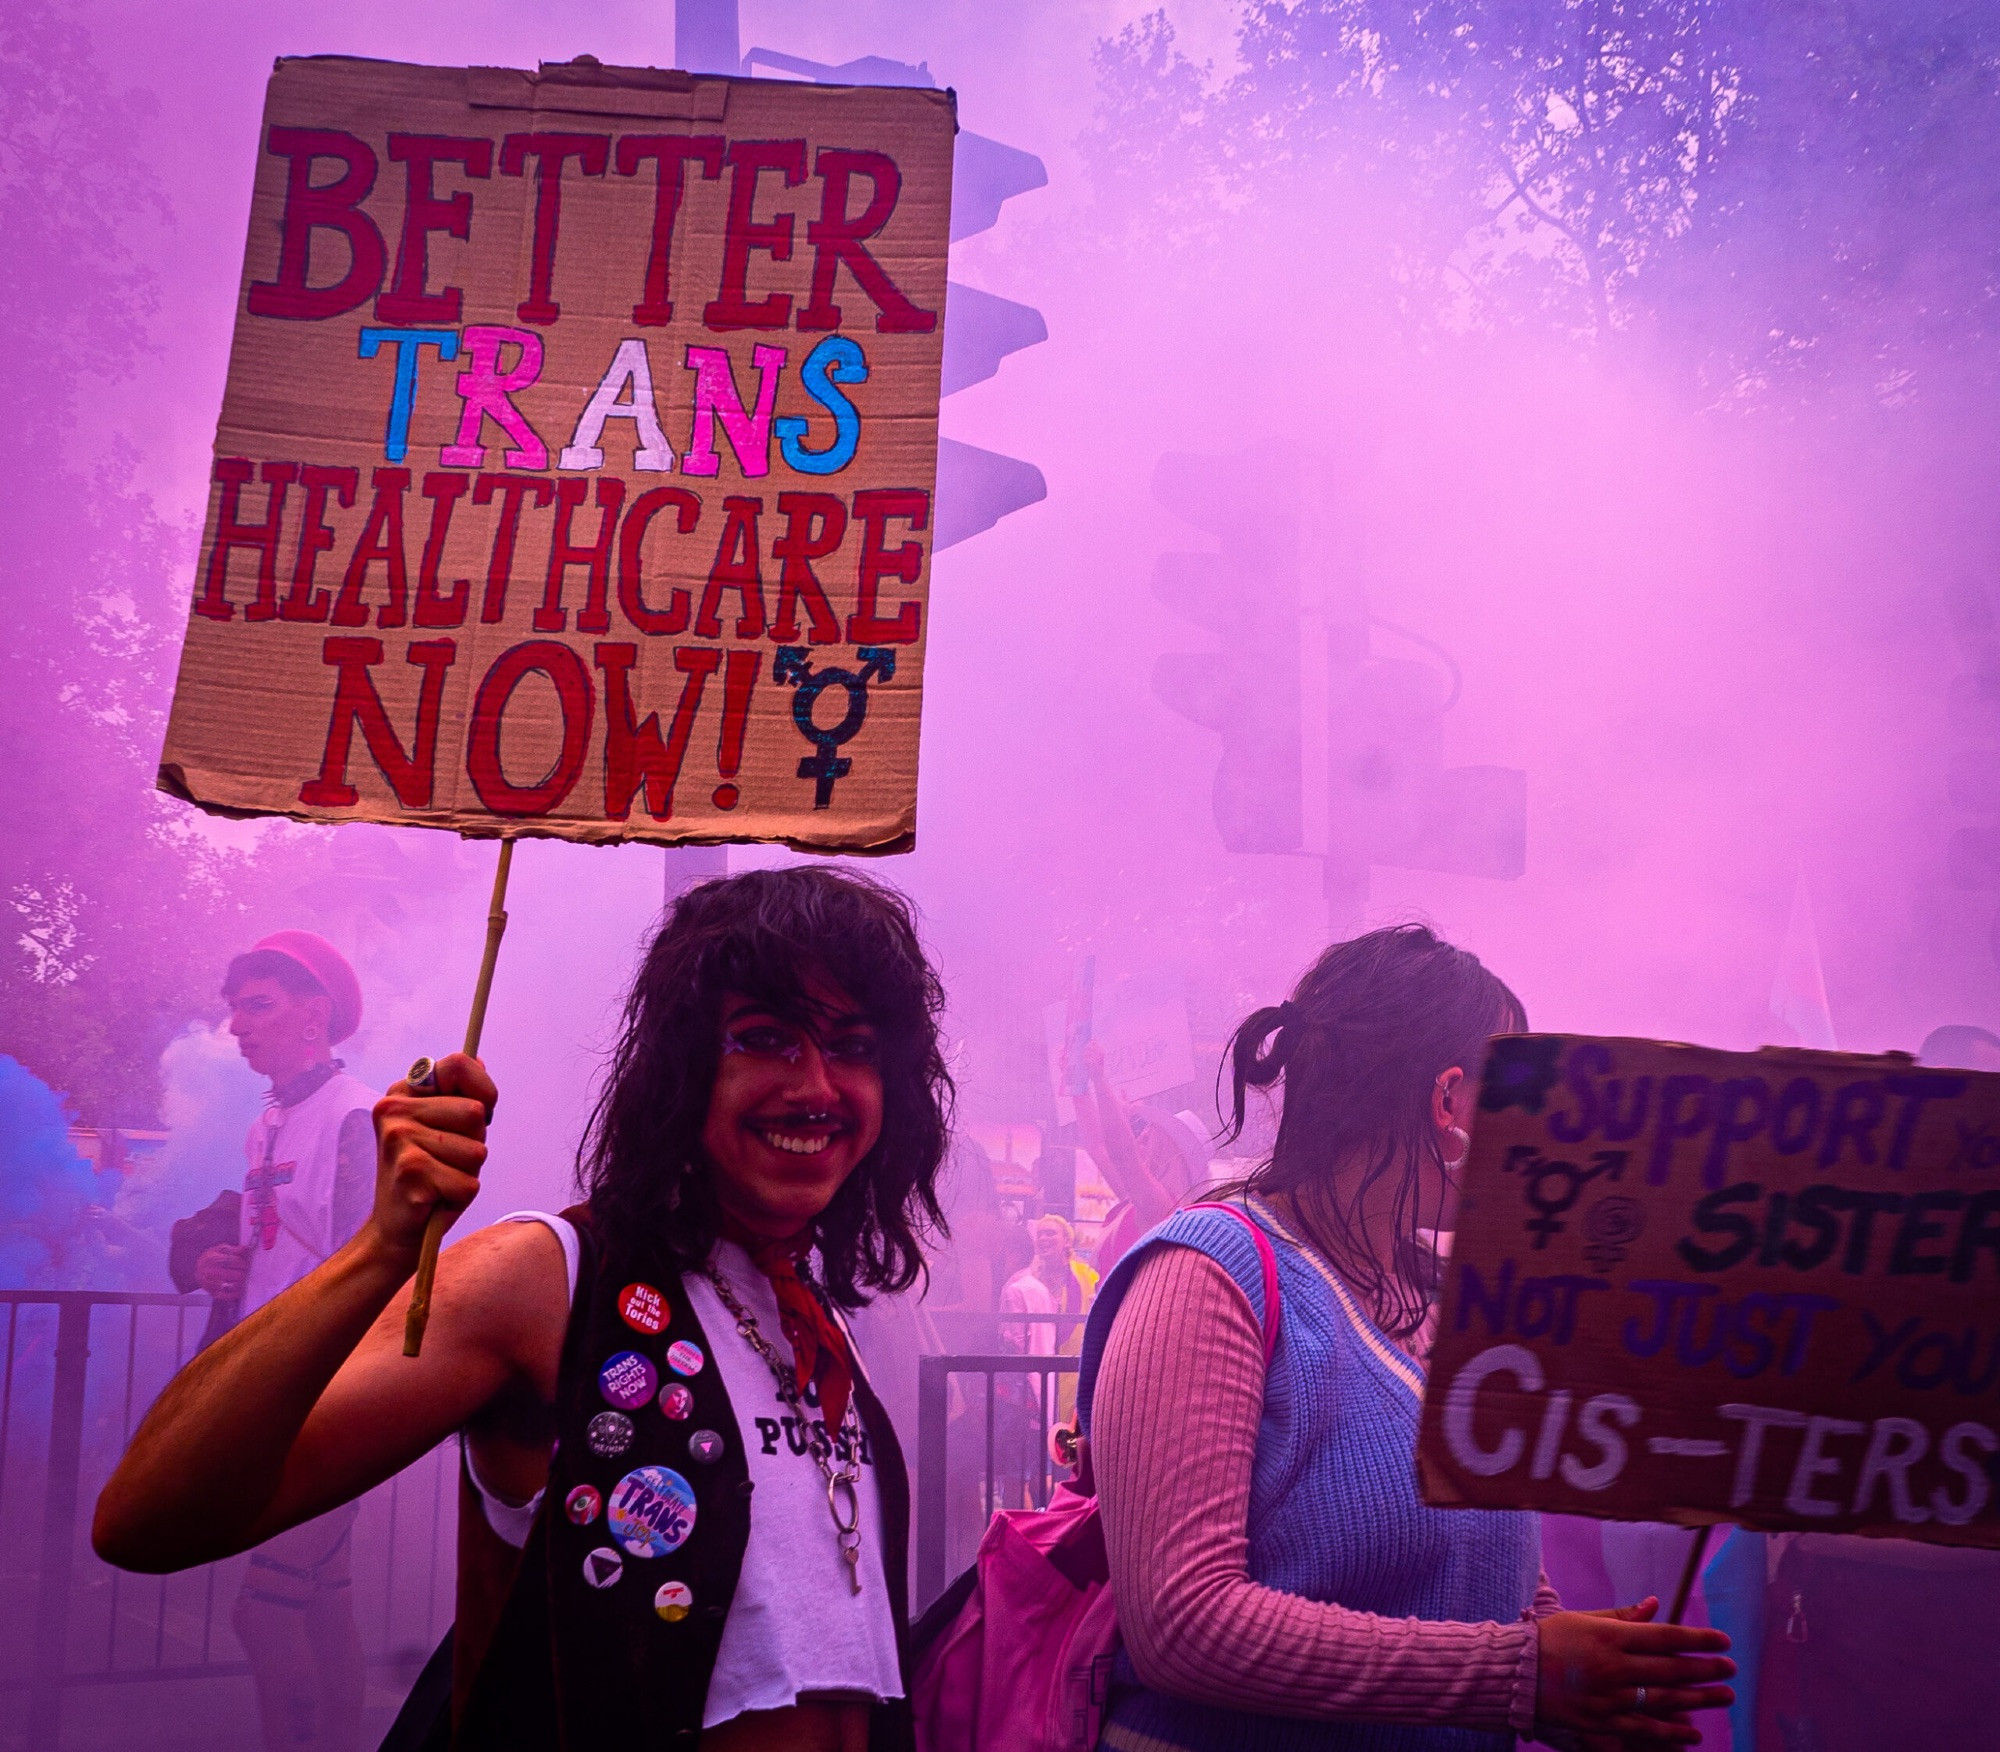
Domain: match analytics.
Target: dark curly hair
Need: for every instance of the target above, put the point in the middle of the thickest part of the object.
(766, 934)
(1360, 1044)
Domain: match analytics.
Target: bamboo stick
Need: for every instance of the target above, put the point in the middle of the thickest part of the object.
(496, 928)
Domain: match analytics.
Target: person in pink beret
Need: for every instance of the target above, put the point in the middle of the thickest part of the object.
(308, 1184)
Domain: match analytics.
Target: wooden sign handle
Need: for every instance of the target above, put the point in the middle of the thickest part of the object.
(496, 928)
(1689, 1571)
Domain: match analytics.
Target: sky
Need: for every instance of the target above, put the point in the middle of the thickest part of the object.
(1719, 655)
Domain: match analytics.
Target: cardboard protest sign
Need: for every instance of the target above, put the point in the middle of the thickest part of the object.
(1703, 1286)
(575, 467)
(1141, 1023)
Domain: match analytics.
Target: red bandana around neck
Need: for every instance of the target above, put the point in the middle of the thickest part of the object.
(807, 1324)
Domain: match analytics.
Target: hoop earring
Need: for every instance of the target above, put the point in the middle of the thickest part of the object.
(1461, 1141)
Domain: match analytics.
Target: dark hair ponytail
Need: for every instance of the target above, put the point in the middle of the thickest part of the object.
(1254, 1065)
(1359, 1046)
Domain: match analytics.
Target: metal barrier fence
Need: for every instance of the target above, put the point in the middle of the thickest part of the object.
(80, 1369)
(988, 1451)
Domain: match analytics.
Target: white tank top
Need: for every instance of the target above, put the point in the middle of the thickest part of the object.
(795, 1624)
(292, 1156)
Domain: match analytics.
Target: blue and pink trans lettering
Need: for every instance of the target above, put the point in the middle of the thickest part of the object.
(651, 1511)
(1701, 1286)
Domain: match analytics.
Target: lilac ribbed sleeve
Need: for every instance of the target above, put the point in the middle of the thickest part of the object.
(1173, 1435)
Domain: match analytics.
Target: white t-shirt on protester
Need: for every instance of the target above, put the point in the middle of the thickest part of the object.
(796, 1624)
(292, 1165)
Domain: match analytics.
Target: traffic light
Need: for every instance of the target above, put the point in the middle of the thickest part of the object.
(975, 487)
(1246, 594)
(1391, 798)
(1327, 750)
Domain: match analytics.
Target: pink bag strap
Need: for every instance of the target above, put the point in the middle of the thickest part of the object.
(1273, 1307)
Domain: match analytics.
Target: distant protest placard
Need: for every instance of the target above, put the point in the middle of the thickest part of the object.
(1699, 1286)
(574, 473)
(1140, 1023)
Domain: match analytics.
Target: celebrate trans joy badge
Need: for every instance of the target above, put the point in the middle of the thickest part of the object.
(652, 1511)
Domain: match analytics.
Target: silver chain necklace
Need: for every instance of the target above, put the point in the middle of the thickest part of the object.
(842, 1481)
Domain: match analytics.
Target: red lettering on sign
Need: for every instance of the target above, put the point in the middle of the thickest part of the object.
(381, 539)
(634, 752)
(231, 532)
(512, 489)
(631, 597)
(738, 682)
(334, 206)
(731, 307)
(838, 239)
(595, 616)
(550, 152)
(434, 609)
(875, 510)
(355, 701)
(671, 153)
(424, 211)
(578, 702)
(736, 568)
(815, 525)
(302, 602)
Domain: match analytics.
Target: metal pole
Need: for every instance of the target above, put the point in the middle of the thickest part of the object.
(1689, 1571)
(706, 36)
(45, 1695)
(933, 1413)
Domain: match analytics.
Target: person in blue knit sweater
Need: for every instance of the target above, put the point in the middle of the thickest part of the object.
(1279, 1584)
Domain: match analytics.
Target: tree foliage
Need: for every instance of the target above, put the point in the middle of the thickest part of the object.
(1778, 202)
(115, 908)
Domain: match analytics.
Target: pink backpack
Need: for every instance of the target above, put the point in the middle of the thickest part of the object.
(1025, 1664)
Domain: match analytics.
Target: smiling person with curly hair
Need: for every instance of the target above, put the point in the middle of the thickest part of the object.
(684, 1513)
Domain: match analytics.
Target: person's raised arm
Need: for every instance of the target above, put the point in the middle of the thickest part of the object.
(310, 1402)
(1110, 1125)
(1131, 1175)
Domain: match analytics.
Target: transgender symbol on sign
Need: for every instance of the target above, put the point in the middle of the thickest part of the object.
(1552, 1187)
(794, 668)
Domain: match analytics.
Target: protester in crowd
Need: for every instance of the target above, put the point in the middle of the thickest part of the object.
(1150, 1157)
(1054, 1282)
(308, 1183)
(1341, 1603)
(1881, 1642)
(969, 1275)
(685, 1515)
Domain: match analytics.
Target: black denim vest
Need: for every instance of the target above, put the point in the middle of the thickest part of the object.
(590, 1668)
